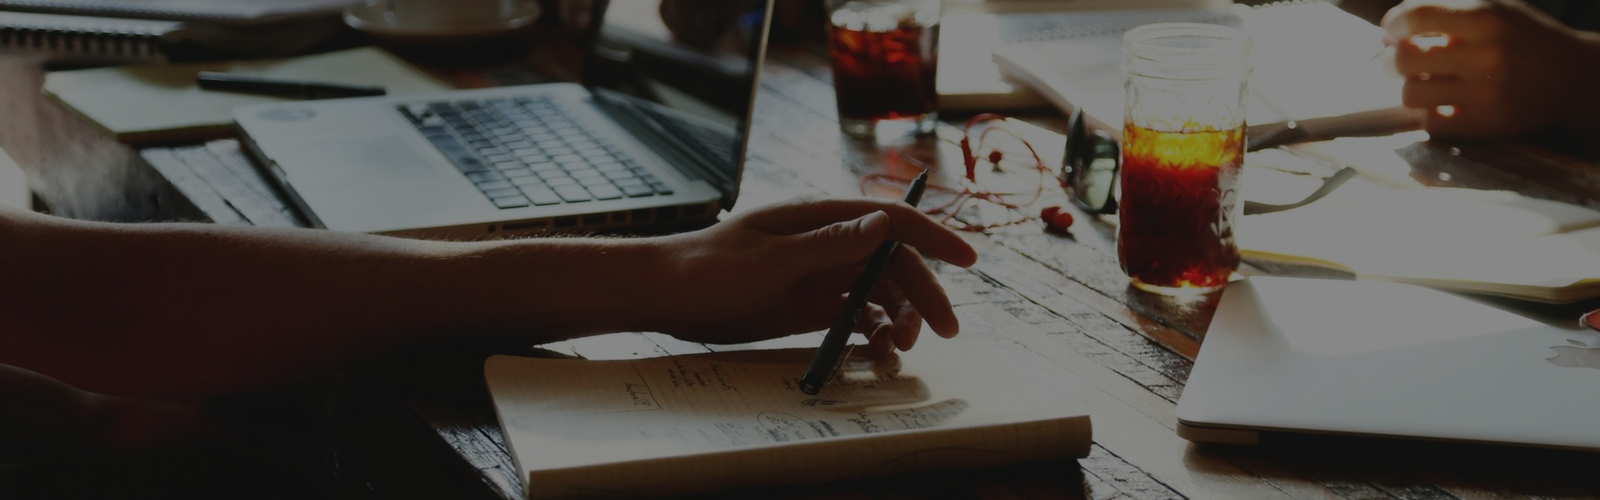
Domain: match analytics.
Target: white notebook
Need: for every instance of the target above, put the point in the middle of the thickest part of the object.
(1310, 60)
(686, 424)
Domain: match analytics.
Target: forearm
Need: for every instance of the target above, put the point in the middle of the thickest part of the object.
(171, 309)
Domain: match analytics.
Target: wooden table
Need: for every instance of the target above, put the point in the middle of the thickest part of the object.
(421, 424)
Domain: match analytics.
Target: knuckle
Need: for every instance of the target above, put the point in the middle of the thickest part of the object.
(837, 233)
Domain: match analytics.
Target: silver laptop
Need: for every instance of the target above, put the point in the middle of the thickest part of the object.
(1372, 359)
(654, 135)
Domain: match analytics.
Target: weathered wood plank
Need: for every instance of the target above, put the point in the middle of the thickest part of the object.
(1130, 422)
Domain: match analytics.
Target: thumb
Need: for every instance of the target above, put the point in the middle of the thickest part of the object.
(841, 243)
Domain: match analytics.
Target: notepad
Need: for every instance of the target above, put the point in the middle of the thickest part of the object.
(1489, 242)
(972, 29)
(1311, 60)
(160, 102)
(688, 424)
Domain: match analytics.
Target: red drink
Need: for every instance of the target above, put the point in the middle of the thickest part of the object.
(1178, 207)
(884, 63)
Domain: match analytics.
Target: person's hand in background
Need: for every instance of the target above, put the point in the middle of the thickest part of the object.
(1486, 68)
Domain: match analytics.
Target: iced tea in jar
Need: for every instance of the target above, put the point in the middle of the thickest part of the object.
(1183, 145)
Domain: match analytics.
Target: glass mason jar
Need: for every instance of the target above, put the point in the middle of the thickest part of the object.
(1183, 145)
(885, 56)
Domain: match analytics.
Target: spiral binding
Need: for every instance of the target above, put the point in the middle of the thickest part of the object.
(111, 44)
(116, 10)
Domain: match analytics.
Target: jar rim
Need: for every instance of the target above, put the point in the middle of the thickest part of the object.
(1186, 51)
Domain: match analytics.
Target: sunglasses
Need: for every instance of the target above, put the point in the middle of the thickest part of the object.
(1093, 160)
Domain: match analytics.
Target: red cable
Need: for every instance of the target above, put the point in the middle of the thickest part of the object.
(971, 193)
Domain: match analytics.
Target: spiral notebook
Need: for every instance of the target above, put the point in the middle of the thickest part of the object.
(93, 31)
(1313, 63)
(56, 37)
(229, 11)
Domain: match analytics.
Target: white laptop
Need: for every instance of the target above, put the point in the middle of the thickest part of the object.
(654, 136)
(1287, 355)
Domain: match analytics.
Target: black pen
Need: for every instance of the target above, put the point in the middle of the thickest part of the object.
(833, 343)
(229, 82)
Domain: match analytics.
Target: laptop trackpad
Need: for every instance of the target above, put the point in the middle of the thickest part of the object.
(352, 161)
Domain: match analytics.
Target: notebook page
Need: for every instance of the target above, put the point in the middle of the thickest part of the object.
(1482, 241)
(576, 422)
(1310, 60)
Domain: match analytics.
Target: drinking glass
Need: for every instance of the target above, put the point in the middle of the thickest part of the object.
(1183, 144)
(885, 57)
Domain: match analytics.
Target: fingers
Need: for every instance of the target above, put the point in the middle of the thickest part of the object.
(1418, 59)
(892, 322)
(1462, 19)
(907, 225)
(1431, 94)
(839, 243)
(910, 278)
(1458, 121)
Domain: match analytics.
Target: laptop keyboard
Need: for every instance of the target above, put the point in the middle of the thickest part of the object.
(528, 151)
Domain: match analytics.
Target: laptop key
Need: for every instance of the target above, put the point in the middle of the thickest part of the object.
(517, 173)
(492, 185)
(530, 180)
(573, 194)
(591, 182)
(625, 179)
(510, 201)
(584, 172)
(457, 153)
(542, 195)
(661, 188)
(637, 190)
(606, 192)
(560, 181)
(502, 193)
(544, 166)
(477, 177)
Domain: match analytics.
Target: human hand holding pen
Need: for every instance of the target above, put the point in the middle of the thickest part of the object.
(784, 269)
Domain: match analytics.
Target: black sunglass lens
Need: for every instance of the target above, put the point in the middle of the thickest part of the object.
(1095, 173)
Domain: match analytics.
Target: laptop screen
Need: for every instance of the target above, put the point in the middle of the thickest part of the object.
(683, 73)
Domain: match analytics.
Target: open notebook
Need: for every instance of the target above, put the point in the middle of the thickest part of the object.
(1489, 242)
(685, 424)
(1311, 60)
